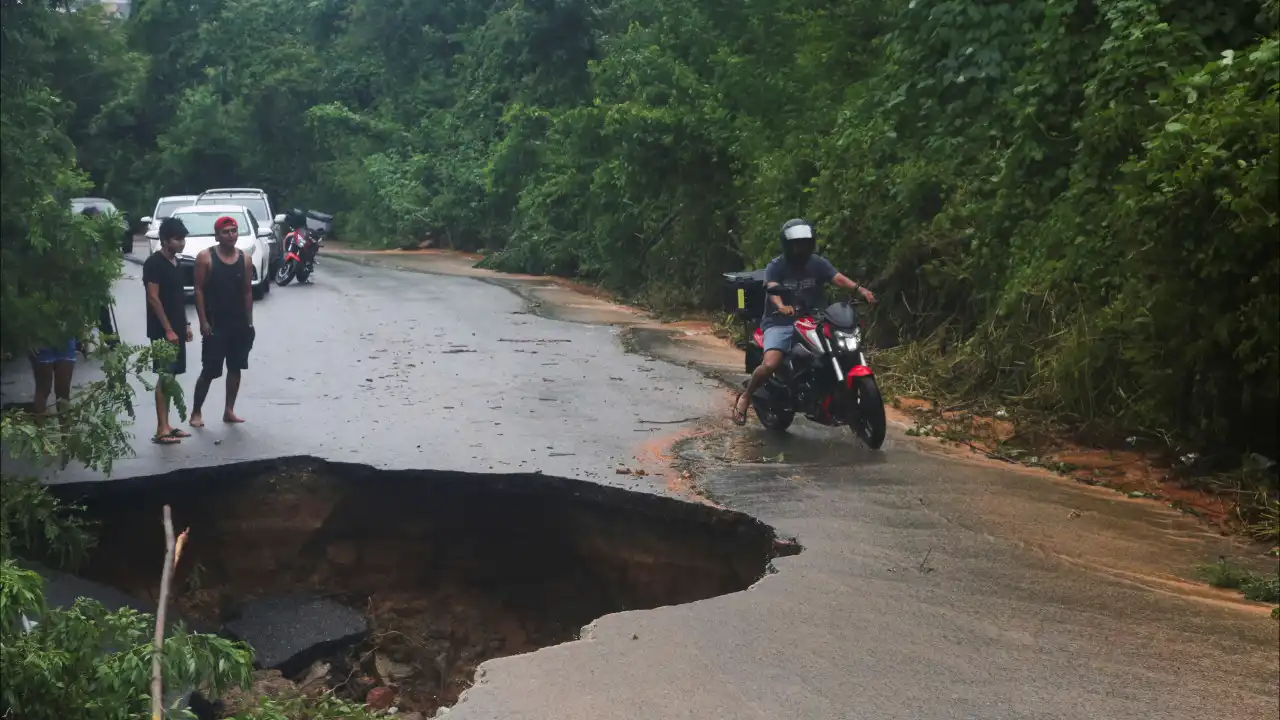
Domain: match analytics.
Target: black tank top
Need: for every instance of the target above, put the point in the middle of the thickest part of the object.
(224, 291)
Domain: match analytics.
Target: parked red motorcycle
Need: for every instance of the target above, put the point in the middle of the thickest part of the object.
(300, 249)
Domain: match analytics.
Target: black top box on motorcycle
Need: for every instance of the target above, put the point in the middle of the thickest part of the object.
(313, 219)
(743, 295)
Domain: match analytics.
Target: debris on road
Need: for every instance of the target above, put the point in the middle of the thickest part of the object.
(390, 671)
(380, 698)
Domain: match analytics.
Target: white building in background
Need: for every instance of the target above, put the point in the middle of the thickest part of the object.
(117, 8)
(111, 8)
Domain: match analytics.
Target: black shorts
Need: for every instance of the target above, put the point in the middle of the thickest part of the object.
(179, 364)
(231, 346)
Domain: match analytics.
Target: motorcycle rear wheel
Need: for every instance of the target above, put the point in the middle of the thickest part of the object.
(770, 418)
(868, 421)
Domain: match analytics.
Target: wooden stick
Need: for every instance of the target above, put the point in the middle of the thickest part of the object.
(166, 575)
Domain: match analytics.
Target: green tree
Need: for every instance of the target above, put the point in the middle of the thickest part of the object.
(1008, 175)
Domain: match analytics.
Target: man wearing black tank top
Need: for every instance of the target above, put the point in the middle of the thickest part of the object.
(224, 302)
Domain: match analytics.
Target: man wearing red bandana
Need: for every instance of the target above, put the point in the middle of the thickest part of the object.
(224, 303)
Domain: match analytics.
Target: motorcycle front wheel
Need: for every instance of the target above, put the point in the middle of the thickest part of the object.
(286, 272)
(868, 421)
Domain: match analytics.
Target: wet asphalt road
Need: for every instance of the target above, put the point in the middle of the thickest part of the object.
(396, 370)
(928, 587)
(918, 596)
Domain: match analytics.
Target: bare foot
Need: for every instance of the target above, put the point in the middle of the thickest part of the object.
(230, 417)
(197, 420)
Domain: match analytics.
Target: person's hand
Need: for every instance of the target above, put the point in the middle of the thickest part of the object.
(189, 336)
(870, 296)
(205, 329)
(171, 336)
(787, 310)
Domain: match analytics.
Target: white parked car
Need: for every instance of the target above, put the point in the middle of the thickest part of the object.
(260, 205)
(164, 208)
(199, 220)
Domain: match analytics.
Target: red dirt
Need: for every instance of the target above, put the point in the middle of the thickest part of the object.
(1125, 471)
(657, 456)
(335, 247)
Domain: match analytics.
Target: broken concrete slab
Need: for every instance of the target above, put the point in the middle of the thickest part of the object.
(290, 632)
(62, 589)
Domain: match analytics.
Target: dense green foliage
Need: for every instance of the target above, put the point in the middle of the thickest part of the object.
(66, 87)
(52, 277)
(85, 662)
(1069, 205)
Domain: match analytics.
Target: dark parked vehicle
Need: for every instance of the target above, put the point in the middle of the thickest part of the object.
(102, 205)
(313, 219)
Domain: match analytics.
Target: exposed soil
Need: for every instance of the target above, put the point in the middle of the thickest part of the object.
(1140, 475)
(450, 569)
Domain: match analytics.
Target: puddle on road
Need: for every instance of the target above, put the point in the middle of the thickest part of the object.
(691, 344)
(803, 444)
(450, 569)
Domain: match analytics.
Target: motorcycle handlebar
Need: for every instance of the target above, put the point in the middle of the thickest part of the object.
(802, 310)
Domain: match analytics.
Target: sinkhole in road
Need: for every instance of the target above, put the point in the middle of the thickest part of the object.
(448, 569)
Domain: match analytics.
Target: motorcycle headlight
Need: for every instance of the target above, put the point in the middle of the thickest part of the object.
(848, 340)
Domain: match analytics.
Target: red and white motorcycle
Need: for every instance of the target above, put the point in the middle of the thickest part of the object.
(300, 248)
(825, 376)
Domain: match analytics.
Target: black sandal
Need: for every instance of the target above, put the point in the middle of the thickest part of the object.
(739, 414)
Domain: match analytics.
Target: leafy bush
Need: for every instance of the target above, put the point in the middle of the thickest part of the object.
(325, 707)
(88, 663)
(1253, 586)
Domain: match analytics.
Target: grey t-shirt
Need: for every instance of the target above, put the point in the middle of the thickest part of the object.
(805, 283)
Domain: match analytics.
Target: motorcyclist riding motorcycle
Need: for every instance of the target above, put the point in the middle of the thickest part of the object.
(804, 274)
